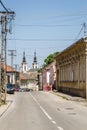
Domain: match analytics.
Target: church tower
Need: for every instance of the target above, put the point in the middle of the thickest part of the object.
(24, 64)
(35, 64)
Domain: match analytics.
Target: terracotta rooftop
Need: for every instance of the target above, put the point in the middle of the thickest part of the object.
(8, 68)
(28, 76)
(23, 76)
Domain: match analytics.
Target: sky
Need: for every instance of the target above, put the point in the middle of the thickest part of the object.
(44, 26)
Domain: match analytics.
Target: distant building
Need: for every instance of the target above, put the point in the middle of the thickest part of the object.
(24, 67)
(28, 77)
(24, 77)
(35, 64)
(12, 75)
(48, 80)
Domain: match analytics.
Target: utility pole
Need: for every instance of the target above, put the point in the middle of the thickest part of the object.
(6, 17)
(12, 54)
(3, 56)
(16, 75)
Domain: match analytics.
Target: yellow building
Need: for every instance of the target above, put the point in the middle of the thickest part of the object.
(72, 69)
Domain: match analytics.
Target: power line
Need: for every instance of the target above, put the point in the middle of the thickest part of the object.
(20, 39)
(82, 29)
(75, 14)
(44, 25)
(4, 6)
(79, 33)
(71, 15)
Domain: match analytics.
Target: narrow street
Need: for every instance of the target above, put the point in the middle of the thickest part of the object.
(43, 111)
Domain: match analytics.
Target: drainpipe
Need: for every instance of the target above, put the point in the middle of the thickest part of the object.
(85, 40)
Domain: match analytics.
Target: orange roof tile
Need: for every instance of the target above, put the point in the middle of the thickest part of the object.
(22, 77)
(8, 68)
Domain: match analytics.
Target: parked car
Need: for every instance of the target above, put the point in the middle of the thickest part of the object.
(10, 89)
(21, 90)
(17, 89)
(25, 90)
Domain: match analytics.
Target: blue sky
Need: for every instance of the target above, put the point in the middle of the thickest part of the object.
(44, 26)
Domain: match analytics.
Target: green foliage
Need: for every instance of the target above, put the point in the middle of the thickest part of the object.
(50, 58)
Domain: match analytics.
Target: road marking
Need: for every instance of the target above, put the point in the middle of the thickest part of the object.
(41, 108)
(35, 99)
(47, 115)
(60, 128)
(53, 122)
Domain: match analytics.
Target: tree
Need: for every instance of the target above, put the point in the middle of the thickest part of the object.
(50, 58)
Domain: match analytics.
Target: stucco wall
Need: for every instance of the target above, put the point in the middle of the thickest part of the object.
(71, 69)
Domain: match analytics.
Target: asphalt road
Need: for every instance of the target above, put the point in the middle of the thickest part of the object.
(43, 111)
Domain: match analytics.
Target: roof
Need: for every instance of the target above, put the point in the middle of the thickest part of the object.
(33, 70)
(23, 77)
(28, 76)
(74, 44)
(8, 68)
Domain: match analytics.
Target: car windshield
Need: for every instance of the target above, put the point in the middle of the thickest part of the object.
(10, 86)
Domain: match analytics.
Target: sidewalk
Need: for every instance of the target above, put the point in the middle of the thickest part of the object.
(69, 97)
(4, 108)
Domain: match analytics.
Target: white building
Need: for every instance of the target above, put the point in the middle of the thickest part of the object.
(24, 67)
(35, 64)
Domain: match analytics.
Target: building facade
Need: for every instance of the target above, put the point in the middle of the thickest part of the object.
(28, 77)
(71, 65)
(49, 77)
(12, 75)
(24, 67)
(35, 64)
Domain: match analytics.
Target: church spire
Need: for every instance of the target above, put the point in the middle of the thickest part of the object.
(24, 59)
(35, 58)
(35, 64)
(24, 64)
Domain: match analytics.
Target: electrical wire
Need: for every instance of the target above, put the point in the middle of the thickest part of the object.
(45, 25)
(83, 27)
(41, 39)
(4, 6)
(72, 15)
(79, 33)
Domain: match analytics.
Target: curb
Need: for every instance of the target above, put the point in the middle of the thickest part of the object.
(68, 97)
(5, 107)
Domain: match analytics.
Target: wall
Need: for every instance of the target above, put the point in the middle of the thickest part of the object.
(49, 76)
(71, 68)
